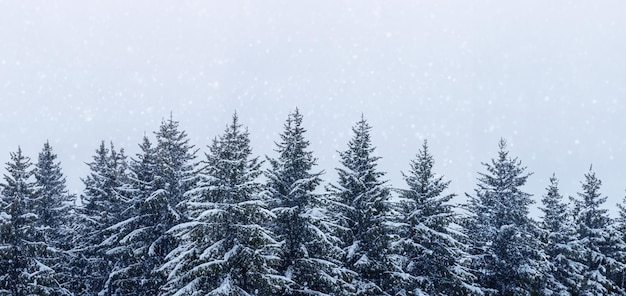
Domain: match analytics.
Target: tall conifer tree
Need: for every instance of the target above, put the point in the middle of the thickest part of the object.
(23, 270)
(561, 245)
(504, 240)
(159, 177)
(55, 210)
(103, 203)
(602, 246)
(431, 253)
(362, 198)
(226, 248)
(310, 249)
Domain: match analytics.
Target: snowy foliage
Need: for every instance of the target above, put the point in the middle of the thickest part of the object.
(226, 248)
(103, 203)
(54, 207)
(602, 248)
(361, 199)
(158, 178)
(507, 253)
(429, 254)
(162, 224)
(561, 244)
(310, 250)
(23, 245)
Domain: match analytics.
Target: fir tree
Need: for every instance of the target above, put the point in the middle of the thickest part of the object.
(362, 199)
(160, 176)
(310, 250)
(103, 203)
(620, 228)
(226, 248)
(430, 253)
(175, 167)
(54, 202)
(621, 218)
(505, 246)
(22, 247)
(54, 209)
(131, 237)
(602, 246)
(561, 244)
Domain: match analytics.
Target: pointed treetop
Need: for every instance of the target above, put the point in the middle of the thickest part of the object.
(502, 144)
(18, 160)
(18, 173)
(235, 123)
(504, 151)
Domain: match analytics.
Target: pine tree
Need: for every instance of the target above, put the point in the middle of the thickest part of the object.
(429, 249)
(505, 246)
(621, 219)
(602, 246)
(22, 250)
(160, 176)
(54, 208)
(561, 244)
(310, 249)
(175, 166)
(131, 237)
(620, 228)
(226, 248)
(103, 204)
(362, 199)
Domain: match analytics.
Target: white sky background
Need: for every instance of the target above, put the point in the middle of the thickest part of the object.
(550, 77)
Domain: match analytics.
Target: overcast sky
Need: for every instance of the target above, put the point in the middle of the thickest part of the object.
(548, 76)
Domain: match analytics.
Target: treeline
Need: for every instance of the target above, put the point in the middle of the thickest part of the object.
(169, 221)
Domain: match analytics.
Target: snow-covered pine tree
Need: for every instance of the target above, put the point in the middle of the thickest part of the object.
(310, 250)
(176, 168)
(561, 245)
(103, 203)
(620, 227)
(602, 246)
(504, 241)
(54, 207)
(22, 247)
(227, 247)
(621, 219)
(53, 201)
(160, 176)
(362, 198)
(132, 274)
(431, 257)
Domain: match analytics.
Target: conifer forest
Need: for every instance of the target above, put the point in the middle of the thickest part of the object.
(176, 219)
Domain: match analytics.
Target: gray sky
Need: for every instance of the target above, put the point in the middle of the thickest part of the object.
(550, 77)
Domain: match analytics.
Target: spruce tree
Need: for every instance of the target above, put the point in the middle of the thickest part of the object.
(430, 252)
(362, 202)
(226, 248)
(310, 249)
(175, 167)
(620, 228)
(103, 204)
(54, 207)
(23, 269)
(159, 177)
(602, 246)
(561, 245)
(130, 238)
(504, 242)
(54, 202)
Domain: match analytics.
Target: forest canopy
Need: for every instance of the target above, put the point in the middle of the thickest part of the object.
(175, 219)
